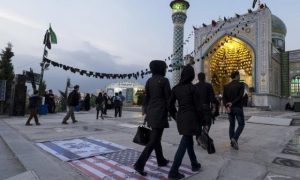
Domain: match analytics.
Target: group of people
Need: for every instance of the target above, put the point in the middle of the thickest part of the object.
(197, 106)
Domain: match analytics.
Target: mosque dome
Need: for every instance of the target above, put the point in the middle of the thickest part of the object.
(278, 25)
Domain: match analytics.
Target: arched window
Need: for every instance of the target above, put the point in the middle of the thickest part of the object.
(295, 85)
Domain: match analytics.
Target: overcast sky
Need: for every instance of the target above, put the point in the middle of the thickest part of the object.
(112, 36)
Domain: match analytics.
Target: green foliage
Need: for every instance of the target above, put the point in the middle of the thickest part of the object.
(93, 100)
(63, 101)
(64, 97)
(42, 89)
(7, 71)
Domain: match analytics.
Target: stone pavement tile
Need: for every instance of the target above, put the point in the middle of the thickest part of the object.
(270, 120)
(275, 176)
(34, 159)
(287, 162)
(9, 164)
(28, 175)
(237, 170)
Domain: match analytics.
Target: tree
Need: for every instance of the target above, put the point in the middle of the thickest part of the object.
(7, 72)
(42, 88)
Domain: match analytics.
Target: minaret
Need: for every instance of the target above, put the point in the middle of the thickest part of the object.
(179, 8)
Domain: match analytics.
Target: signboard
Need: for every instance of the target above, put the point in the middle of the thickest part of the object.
(37, 77)
(2, 90)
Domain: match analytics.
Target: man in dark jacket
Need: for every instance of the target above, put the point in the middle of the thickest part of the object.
(157, 94)
(207, 103)
(73, 101)
(51, 102)
(34, 102)
(233, 101)
(206, 100)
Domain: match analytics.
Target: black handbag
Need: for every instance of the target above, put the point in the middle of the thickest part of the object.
(142, 136)
(208, 142)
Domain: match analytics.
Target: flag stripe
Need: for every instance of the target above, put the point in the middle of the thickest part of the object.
(61, 150)
(87, 171)
(122, 168)
(104, 169)
(108, 146)
(49, 150)
(152, 169)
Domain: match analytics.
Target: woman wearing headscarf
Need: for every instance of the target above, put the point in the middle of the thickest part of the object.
(156, 99)
(187, 119)
(99, 105)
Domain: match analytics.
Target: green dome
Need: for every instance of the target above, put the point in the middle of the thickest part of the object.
(278, 25)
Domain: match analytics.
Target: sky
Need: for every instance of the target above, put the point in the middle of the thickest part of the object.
(112, 36)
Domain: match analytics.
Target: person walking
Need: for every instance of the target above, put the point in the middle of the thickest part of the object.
(157, 94)
(105, 98)
(51, 102)
(122, 98)
(233, 101)
(117, 104)
(187, 119)
(99, 105)
(208, 104)
(34, 102)
(87, 102)
(73, 101)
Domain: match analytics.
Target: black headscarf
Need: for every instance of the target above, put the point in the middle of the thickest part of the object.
(187, 75)
(158, 67)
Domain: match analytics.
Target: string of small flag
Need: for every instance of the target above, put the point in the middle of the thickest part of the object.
(172, 66)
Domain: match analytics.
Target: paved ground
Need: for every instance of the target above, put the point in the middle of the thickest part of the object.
(266, 151)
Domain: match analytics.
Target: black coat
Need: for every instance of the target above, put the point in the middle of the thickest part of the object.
(157, 94)
(34, 101)
(187, 118)
(73, 98)
(233, 93)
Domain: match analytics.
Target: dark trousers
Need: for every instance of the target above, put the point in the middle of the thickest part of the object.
(186, 143)
(101, 115)
(120, 112)
(154, 143)
(117, 111)
(238, 114)
(33, 114)
(69, 114)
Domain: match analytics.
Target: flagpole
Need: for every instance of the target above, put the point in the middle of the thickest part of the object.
(42, 71)
(42, 68)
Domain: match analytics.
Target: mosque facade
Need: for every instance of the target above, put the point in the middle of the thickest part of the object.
(253, 44)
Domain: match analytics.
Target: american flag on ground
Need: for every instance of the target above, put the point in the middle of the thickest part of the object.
(118, 165)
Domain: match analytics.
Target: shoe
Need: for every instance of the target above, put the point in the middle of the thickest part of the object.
(141, 172)
(75, 121)
(38, 124)
(28, 124)
(176, 176)
(196, 167)
(102, 118)
(64, 122)
(234, 144)
(165, 163)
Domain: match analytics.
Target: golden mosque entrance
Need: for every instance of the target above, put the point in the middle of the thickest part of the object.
(225, 56)
(253, 44)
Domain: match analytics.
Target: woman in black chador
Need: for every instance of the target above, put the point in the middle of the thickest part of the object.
(87, 102)
(100, 105)
(187, 119)
(157, 94)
